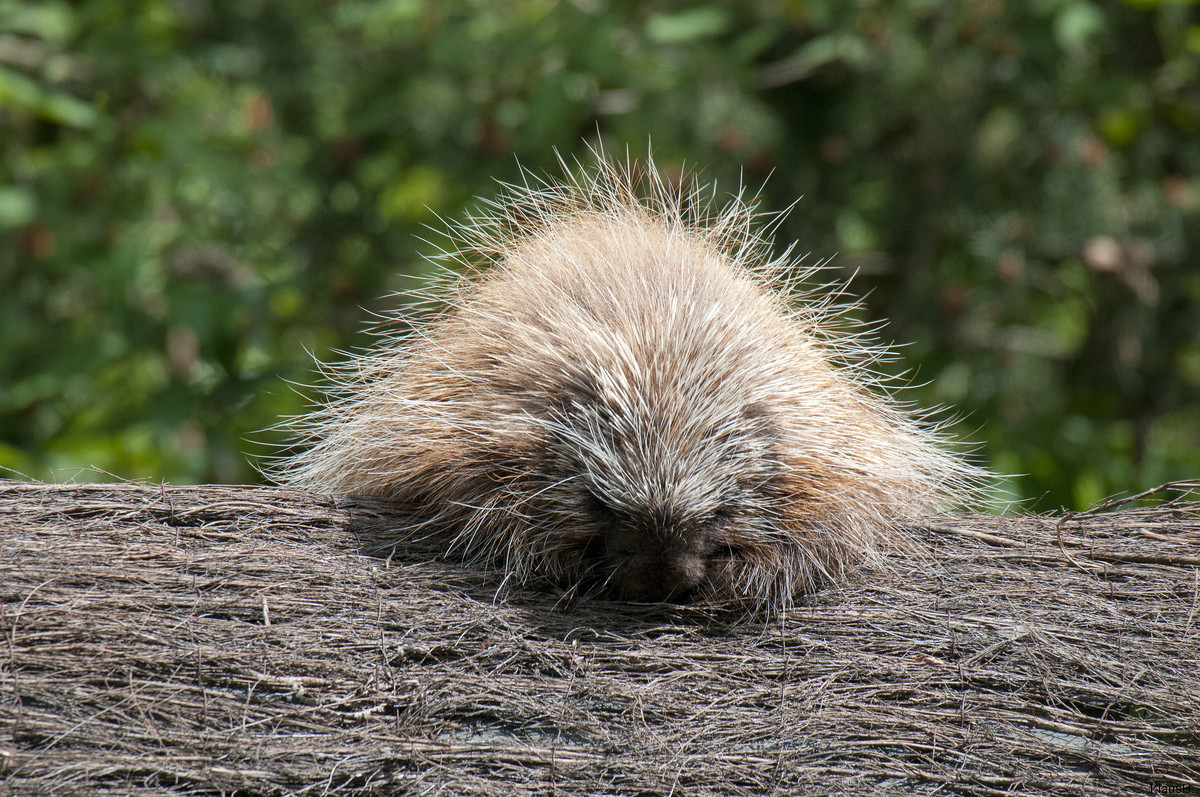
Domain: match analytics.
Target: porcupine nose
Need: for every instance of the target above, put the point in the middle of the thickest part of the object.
(661, 577)
(655, 555)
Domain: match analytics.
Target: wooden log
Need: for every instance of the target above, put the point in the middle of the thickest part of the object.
(219, 640)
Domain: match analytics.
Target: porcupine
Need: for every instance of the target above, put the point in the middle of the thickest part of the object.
(627, 393)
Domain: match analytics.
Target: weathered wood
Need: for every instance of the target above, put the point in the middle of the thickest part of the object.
(220, 640)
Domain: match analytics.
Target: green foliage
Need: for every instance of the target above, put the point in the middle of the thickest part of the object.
(196, 195)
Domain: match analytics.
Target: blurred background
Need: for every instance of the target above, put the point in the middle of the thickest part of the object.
(197, 196)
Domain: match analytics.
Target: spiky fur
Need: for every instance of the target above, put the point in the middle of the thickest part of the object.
(626, 390)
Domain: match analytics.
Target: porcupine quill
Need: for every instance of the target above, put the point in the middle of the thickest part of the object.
(626, 393)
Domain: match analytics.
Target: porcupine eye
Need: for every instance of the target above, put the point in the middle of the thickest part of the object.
(599, 511)
(601, 518)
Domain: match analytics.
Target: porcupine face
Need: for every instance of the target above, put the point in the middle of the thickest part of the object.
(661, 505)
(661, 453)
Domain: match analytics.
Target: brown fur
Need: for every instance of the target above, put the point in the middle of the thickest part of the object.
(629, 398)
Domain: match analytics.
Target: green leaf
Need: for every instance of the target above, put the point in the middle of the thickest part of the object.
(1078, 26)
(686, 26)
(17, 206)
(20, 93)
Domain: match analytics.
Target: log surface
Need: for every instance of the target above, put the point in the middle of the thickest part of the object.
(232, 640)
